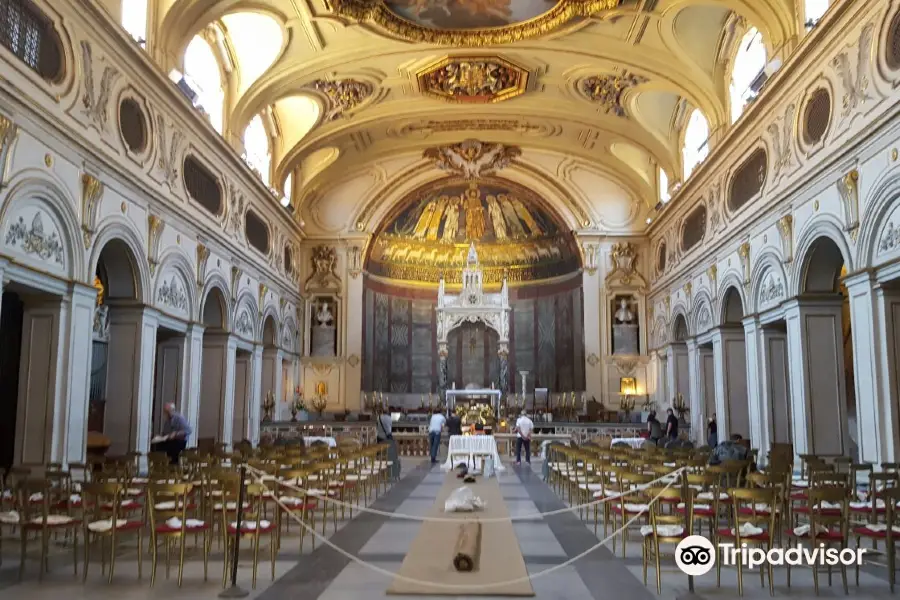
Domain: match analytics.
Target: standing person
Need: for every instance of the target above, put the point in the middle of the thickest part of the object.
(384, 428)
(671, 425)
(524, 427)
(435, 427)
(654, 428)
(454, 424)
(176, 431)
(712, 432)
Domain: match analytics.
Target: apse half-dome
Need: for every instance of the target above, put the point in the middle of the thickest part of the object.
(516, 235)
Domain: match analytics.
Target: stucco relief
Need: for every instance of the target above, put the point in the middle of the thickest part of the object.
(771, 291)
(244, 324)
(35, 233)
(172, 292)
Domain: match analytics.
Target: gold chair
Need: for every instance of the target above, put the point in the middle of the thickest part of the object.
(251, 526)
(171, 519)
(631, 504)
(888, 532)
(751, 508)
(295, 503)
(664, 527)
(828, 526)
(36, 497)
(102, 503)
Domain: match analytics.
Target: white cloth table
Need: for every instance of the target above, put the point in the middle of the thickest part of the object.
(633, 442)
(310, 439)
(472, 444)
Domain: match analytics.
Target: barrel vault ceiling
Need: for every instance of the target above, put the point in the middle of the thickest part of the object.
(595, 97)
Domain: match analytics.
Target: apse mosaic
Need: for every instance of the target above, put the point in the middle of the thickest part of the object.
(469, 14)
(430, 235)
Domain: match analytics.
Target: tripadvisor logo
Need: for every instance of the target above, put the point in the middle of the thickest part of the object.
(696, 555)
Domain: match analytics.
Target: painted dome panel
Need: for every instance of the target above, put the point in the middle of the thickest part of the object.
(462, 15)
(430, 234)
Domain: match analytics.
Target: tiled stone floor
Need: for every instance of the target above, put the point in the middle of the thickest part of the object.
(325, 574)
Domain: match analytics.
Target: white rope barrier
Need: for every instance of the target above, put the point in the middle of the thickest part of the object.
(323, 495)
(355, 559)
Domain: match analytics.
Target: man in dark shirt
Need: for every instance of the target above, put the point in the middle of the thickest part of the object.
(672, 425)
(176, 432)
(454, 424)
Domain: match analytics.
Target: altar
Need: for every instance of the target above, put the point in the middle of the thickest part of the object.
(452, 395)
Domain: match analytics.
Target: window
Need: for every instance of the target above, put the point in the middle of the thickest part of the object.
(256, 148)
(133, 125)
(748, 65)
(816, 116)
(30, 36)
(257, 232)
(288, 260)
(694, 228)
(892, 50)
(696, 142)
(661, 258)
(201, 70)
(814, 9)
(202, 185)
(748, 179)
(288, 190)
(664, 195)
(134, 20)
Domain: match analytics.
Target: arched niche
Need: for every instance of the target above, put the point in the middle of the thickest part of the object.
(214, 313)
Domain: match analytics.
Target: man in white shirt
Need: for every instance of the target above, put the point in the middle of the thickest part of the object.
(524, 427)
(435, 427)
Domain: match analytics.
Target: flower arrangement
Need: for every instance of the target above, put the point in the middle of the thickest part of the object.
(680, 407)
(319, 403)
(269, 406)
(298, 405)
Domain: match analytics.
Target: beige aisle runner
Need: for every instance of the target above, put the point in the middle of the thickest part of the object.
(430, 557)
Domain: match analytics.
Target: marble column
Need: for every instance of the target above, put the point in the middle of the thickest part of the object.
(662, 377)
(730, 363)
(818, 386)
(888, 309)
(243, 382)
(503, 354)
(759, 414)
(442, 371)
(78, 340)
(353, 333)
(774, 385)
(271, 377)
(707, 387)
(129, 386)
(192, 379)
(256, 395)
(869, 329)
(169, 377)
(217, 390)
(695, 398)
(678, 371)
(591, 284)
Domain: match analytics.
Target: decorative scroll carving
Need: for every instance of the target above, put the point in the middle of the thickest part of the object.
(426, 129)
(855, 81)
(96, 100)
(593, 359)
(848, 188)
(91, 195)
(324, 275)
(343, 96)
(626, 365)
(713, 273)
(353, 360)
(471, 158)
(890, 239)
(744, 254)
(704, 318)
(34, 240)
(354, 261)
(202, 258)
(172, 294)
(263, 290)
(236, 273)
(236, 209)
(591, 253)
(155, 227)
(8, 133)
(608, 90)
(782, 141)
(715, 207)
(167, 152)
(786, 232)
(624, 259)
(688, 288)
(473, 79)
(244, 324)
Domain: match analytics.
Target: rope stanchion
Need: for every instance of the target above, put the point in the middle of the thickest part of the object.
(355, 559)
(235, 591)
(403, 517)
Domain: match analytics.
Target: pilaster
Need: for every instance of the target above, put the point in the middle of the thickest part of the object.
(74, 404)
(759, 413)
(354, 341)
(192, 379)
(256, 394)
(695, 398)
(730, 363)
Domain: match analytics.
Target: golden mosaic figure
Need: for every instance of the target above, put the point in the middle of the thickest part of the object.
(451, 222)
(435, 224)
(424, 221)
(474, 214)
(497, 218)
(526, 217)
(511, 217)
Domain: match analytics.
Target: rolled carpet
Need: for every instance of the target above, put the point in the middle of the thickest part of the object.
(468, 547)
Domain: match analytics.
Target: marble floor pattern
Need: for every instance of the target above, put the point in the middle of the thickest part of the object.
(326, 574)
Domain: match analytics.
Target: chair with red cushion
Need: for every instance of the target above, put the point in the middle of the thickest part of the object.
(250, 522)
(172, 518)
(827, 509)
(631, 503)
(887, 532)
(705, 494)
(102, 518)
(36, 497)
(666, 526)
(751, 509)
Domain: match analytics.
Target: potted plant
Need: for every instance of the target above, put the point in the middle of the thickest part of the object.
(268, 407)
(319, 404)
(298, 407)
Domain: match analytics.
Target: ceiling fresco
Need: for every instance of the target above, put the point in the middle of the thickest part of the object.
(429, 235)
(469, 14)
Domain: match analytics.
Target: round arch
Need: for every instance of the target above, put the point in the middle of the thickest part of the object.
(702, 302)
(268, 331)
(768, 261)
(680, 329)
(880, 209)
(177, 261)
(732, 308)
(31, 188)
(824, 235)
(130, 252)
(215, 310)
